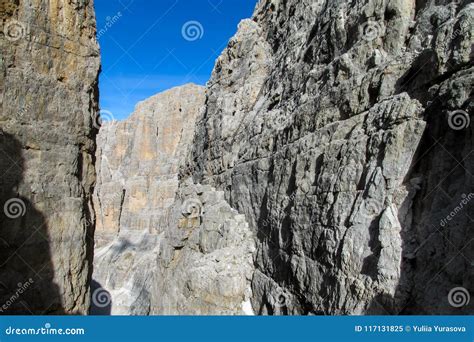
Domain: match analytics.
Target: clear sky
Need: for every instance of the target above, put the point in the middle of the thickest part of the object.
(148, 46)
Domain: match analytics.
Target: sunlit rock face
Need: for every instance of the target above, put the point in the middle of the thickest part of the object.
(327, 172)
(161, 250)
(138, 161)
(49, 62)
(341, 131)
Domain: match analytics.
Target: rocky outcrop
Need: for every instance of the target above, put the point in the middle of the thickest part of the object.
(157, 251)
(205, 259)
(49, 63)
(341, 131)
(333, 150)
(138, 161)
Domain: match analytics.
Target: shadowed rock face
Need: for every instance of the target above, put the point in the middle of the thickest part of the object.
(49, 63)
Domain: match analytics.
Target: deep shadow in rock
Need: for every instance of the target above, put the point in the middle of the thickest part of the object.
(101, 300)
(26, 268)
(437, 252)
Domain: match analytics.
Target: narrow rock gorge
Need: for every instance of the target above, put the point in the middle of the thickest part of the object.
(326, 168)
(49, 64)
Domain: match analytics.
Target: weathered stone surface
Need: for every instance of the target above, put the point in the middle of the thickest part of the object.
(49, 63)
(329, 126)
(162, 249)
(138, 161)
(335, 137)
(205, 260)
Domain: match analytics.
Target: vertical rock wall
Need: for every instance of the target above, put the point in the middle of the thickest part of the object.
(49, 63)
(138, 161)
(341, 131)
(162, 247)
(335, 138)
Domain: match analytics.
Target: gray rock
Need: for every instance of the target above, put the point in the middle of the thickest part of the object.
(329, 171)
(49, 63)
(328, 126)
(137, 163)
(161, 250)
(205, 260)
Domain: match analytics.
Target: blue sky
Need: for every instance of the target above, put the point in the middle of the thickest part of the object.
(146, 47)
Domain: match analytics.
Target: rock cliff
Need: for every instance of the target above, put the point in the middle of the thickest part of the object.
(153, 255)
(341, 130)
(138, 161)
(49, 63)
(329, 172)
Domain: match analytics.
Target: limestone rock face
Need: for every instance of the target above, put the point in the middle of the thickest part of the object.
(161, 250)
(329, 171)
(138, 161)
(341, 131)
(205, 259)
(49, 63)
